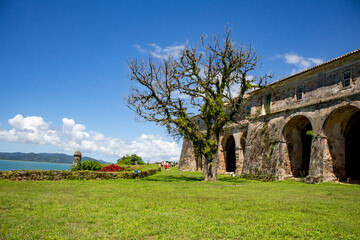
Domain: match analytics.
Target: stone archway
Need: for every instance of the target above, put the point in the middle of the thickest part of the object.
(298, 136)
(342, 129)
(229, 154)
(352, 143)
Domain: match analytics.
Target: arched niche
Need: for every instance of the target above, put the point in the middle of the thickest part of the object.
(342, 130)
(229, 154)
(298, 136)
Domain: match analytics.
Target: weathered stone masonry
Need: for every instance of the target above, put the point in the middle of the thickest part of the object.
(307, 124)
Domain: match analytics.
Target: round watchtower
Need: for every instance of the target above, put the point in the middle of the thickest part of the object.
(77, 157)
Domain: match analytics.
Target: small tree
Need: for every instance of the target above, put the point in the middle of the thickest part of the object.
(130, 160)
(200, 83)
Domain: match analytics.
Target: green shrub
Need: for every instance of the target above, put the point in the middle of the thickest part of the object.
(87, 165)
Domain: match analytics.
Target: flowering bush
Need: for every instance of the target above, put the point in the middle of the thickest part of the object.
(112, 168)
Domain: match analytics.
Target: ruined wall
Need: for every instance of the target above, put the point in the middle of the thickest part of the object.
(291, 136)
(321, 84)
(274, 145)
(187, 158)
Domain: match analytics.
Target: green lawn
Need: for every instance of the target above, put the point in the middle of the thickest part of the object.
(178, 205)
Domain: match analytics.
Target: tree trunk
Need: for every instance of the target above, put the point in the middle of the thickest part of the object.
(210, 170)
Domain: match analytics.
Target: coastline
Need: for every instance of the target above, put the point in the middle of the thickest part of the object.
(33, 161)
(12, 165)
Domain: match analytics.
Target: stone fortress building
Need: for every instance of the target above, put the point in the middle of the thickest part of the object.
(304, 125)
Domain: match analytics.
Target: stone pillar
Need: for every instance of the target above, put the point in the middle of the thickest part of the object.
(281, 167)
(275, 157)
(238, 160)
(316, 168)
(246, 162)
(188, 161)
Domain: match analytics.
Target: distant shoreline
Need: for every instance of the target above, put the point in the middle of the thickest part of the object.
(19, 165)
(43, 157)
(33, 161)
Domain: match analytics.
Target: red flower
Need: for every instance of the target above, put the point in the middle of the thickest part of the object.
(111, 168)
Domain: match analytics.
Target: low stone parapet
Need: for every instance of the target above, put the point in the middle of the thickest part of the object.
(41, 175)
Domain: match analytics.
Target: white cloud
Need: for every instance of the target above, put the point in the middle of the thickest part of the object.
(30, 130)
(140, 49)
(316, 61)
(161, 53)
(72, 136)
(301, 63)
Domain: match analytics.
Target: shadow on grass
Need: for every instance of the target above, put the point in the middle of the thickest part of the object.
(161, 177)
(233, 180)
(350, 181)
(177, 176)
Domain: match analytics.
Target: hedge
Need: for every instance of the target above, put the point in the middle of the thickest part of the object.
(40, 175)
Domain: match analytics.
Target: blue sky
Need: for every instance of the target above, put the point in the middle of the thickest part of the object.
(63, 64)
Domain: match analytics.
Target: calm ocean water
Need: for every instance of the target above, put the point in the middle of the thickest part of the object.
(6, 165)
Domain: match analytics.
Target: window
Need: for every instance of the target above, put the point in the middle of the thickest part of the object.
(198, 123)
(299, 93)
(346, 79)
(268, 103)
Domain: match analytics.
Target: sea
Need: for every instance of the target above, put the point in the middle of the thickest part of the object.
(9, 165)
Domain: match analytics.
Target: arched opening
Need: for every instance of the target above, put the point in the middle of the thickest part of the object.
(298, 137)
(342, 129)
(230, 156)
(352, 144)
(306, 138)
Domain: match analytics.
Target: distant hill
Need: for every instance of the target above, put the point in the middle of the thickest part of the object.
(42, 157)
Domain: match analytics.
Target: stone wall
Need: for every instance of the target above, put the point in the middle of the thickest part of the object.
(292, 136)
(41, 175)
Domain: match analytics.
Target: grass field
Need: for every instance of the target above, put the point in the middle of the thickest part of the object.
(178, 205)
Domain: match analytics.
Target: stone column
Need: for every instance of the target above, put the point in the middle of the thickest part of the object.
(239, 160)
(316, 168)
(246, 162)
(187, 161)
(280, 165)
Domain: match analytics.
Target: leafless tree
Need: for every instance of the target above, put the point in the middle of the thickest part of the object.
(199, 84)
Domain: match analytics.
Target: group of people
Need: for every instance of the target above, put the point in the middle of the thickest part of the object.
(167, 165)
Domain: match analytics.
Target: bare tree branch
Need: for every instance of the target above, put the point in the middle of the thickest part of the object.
(171, 92)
